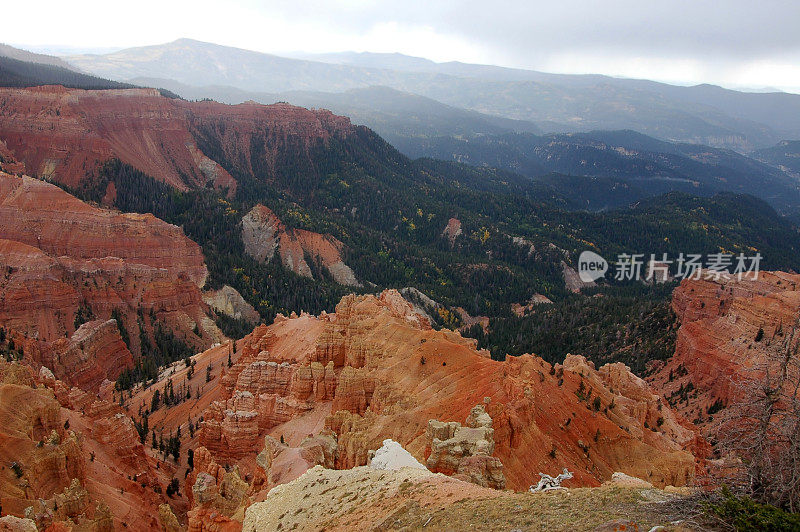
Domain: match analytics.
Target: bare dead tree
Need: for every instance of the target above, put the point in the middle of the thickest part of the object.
(761, 427)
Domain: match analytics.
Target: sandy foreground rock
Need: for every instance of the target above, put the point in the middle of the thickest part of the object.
(411, 499)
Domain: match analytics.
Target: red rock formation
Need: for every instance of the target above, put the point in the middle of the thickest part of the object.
(63, 134)
(275, 127)
(78, 457)
(34, 298)
(452, 230)
(390, 373)
(717, 342)
(265, 394)
(44, 216)
(60, 255)
(264, 234)
(27, 416)
(95, 353)
(7, 161)
(218, 496)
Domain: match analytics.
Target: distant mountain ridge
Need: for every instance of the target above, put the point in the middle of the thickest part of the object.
(391, 113)
(555, 102)
(595, 170)
(784, 155)
(16, 73)
(627, 160)
(31, 57)
(754, 106)
(20, 68)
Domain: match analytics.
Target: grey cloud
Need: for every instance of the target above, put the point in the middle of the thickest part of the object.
(699, 28)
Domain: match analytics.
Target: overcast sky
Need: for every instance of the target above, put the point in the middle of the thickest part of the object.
(734, 43)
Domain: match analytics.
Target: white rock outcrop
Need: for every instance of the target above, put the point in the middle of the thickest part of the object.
(392, 456)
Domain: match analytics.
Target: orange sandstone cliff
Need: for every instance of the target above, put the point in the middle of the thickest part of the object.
(728, 326)
(376, 370)
(70, 459)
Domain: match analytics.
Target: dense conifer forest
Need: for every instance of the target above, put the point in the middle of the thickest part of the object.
(633, 324)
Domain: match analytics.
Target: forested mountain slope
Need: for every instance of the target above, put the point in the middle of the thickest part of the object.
(475, 238)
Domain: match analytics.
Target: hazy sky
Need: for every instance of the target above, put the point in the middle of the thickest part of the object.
(735, 43)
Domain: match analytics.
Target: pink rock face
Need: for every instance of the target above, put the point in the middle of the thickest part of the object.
(716, 343)
(63, 134)
(95, 353)
(117, 433)
(265, 395)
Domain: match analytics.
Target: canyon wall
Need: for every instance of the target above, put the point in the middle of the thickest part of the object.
(65, 134)
(730, 327)
(65, 263)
